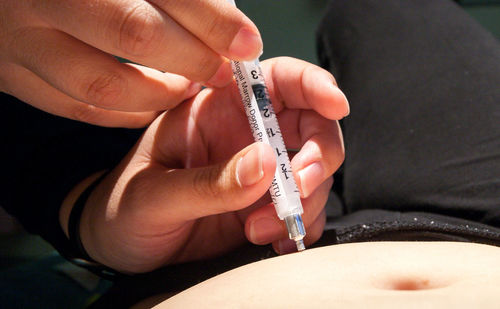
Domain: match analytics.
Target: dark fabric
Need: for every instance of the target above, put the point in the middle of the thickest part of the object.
(379, 225)
(422, 80)
(44, 157)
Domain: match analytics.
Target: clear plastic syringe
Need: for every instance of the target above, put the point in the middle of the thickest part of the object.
(264, 125)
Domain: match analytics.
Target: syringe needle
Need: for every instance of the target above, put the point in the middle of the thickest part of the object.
(296, 230)
(300, 245)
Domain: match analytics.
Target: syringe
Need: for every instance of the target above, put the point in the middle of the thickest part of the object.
(264, 125)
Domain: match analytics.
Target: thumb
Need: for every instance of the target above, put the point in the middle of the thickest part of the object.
(229, 186)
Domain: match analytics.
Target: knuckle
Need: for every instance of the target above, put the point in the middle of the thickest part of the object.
(206, 183)
(139, 28)
(105, 90)
(208, 64)
(216, 31)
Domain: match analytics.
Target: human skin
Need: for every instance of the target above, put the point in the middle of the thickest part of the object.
(195, 184)
(358, 275)
(57, 54)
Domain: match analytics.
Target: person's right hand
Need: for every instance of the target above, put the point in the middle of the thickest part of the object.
(192, 188)
(57, 54)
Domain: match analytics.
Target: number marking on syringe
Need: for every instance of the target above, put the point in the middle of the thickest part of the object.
(265, 128)
(273, 132)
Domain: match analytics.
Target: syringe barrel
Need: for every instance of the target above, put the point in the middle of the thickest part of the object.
(265, 128)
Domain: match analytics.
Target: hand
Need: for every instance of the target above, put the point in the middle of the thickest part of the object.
(56, 54)
(192, 188)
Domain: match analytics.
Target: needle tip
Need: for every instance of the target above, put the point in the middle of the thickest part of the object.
(300, 245)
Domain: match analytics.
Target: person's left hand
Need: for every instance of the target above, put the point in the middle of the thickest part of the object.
(192, 188)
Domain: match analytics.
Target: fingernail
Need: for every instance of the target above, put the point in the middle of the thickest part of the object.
(246, 45)
(264, 230)
(337, 89)
(286, 246)
(193, 89)
(223, 76)
(347, 103)
(309, 178)
(249, 169)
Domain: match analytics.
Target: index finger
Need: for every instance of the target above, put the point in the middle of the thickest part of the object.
(174, 36)
(297, 84)
(218, 24)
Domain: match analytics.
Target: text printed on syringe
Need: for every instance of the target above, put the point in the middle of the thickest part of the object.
(262, 98)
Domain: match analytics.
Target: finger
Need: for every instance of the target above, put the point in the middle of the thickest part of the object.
(91, 76)
(142, 32)
(321, 147)
(29, 88)
(286, 245)
(263, 226)
(200, 192)
(297, 84)
(225, 29)
(321, 154)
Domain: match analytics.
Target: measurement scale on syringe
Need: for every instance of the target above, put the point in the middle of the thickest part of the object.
(265, 128)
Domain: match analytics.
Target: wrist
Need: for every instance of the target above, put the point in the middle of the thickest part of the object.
(72, 197)
(71, 214)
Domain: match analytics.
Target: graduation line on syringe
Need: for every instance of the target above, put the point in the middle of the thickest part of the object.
(265, 128)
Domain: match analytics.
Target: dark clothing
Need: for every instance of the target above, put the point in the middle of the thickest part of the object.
(423, 136)
(44, 157)
(422, 140)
